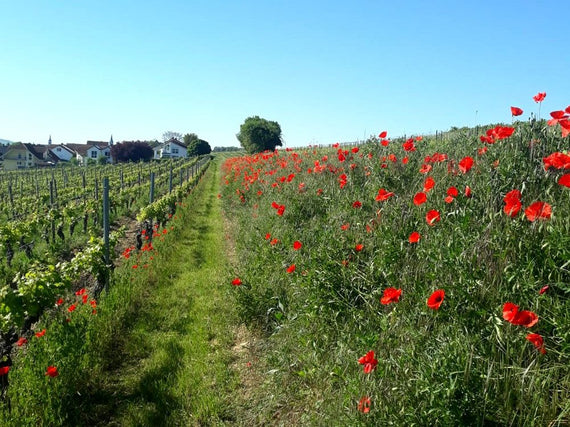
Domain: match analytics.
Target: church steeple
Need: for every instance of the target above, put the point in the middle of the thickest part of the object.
(111, 141)
(49, 140)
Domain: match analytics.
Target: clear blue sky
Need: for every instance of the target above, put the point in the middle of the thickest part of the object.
(327, 71)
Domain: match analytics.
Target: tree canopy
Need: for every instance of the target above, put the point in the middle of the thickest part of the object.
(132, 151)
(198, 147)
(257, 135)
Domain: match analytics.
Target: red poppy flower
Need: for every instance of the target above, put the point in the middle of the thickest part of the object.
(40, 333)
(368, 361)
(435, 299)
(297, 245)
(391, 295)
(452, 191)
(512, 315)
(465, 164)
(414, 237)
(420, 198)
(344, 227)
(481, 151)
(449, 199)
(405, 160)
(468, 191)
(364, 405)
(512, 203)
(538, 210)
(384, 142)
(52, 371)
(21, 342)
(565, 180)
(543, 289)
(539, 97)
(383, 134)
(557, 160)
(71, 308)
(4, 370)
(59, 302)
(359, 247)
(357, 204)
(428, 184)
(80, 291)
(432, 217)
(267, 236)
(291, 268)
(354, 150)
(516, 111)
(383, 195)
(281, 210)
(537, 341)
(237, 281)
(425, 168)
(409, 145)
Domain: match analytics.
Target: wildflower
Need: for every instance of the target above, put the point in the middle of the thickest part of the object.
(291, 268)
(4, 370)
(80, 291)
(468, 191)
(537, 341)
(357, 204)
(538, 210)
(237, 281)
(428, 184)
(71, 308)
(512, 315)
(383, 195)
(391, 295)
(297, 245)
(565, 180)
(435, 300)
(364, 405)
(512, 203)
(52, 371)
(59, 302)
(420, 198)
(359, 247)
(539, 97)
(383, 134)
(543, 290)
(516, 111)
(368, 361)
(465, 164)
(414, 237)
(345, 227)
(40, 333)
(432, 217)
(21, 342)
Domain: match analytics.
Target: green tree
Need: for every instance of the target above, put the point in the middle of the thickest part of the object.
(257, 135)
(199, 147)
(189, 138)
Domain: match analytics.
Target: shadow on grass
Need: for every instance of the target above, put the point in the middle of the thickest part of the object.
(145, 400)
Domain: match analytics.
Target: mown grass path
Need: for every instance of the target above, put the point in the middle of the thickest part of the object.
(173, 361)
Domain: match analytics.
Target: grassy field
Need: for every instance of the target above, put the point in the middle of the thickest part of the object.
(406, 282)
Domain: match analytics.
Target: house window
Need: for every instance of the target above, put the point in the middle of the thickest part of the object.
(107, 154)
(58, 149)
(175, 151)
(30, 156)
(19, 156)
(94, 154)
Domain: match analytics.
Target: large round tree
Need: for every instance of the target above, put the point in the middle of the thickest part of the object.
(257, 135)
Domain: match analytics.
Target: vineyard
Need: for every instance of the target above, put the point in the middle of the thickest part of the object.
(52, 235)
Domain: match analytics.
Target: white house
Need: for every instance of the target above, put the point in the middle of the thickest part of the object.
(62, 152)
(170, 148)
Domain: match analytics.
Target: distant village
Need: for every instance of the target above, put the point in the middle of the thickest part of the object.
(20, 155)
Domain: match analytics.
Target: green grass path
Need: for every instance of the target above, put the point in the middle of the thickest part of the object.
(174, 358)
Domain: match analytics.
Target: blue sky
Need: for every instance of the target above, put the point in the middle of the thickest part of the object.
(327, 71)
